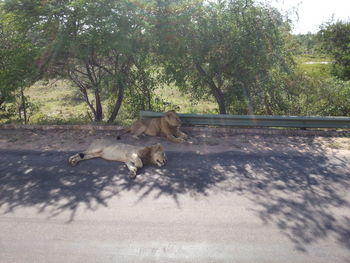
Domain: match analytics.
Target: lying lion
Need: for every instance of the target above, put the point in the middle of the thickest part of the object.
(167, 126)
(134, 157)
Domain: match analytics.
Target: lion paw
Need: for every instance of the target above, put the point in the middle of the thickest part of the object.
(181, 140)
(132, 174)
(73, 161)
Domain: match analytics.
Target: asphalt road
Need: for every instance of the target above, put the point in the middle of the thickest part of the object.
(226, 206)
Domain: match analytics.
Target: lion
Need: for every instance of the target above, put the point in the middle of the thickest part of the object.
(134, 157)
(167, 126)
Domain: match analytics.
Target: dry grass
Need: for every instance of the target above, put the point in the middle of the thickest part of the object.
(58, 102)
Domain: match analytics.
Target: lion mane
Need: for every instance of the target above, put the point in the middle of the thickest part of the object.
(167, 126)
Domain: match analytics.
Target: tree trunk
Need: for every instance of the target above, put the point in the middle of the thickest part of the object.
(246, 94)
(2, 100)
(121, 87)
(24, 107)
(83, 90)
(217, 93)
(86, 97)
(118, 103)
(219, 96)
(99, 112)
(267, 104)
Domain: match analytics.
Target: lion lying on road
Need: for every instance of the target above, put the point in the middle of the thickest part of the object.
(167, 126)
(133, 156)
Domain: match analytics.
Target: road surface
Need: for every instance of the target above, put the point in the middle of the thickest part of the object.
(221, 206)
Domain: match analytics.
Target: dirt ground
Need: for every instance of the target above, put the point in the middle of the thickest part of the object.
(203, 141)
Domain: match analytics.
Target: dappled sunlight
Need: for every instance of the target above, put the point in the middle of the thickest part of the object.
(53, 186)
(297, 194)
(295, 191)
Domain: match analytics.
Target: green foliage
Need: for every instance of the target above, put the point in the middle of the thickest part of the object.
(332, 98)
(222, 48)
(306, 44)
(93, 43)
(226, 56)
(335, 40)
(7, 113)
(315, 66)
(13, 110)
(305, 95)
(17, 56)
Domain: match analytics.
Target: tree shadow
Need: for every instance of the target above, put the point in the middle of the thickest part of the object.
(301, 193)
(45, 180)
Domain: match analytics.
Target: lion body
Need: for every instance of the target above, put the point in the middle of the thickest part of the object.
(167, 126)
(109, 150)
(134, 157)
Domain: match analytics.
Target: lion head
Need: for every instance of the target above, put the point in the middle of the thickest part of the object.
(158, 156)
(154, 155)
(172, 118)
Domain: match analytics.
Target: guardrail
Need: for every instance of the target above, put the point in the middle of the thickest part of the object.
(257, 120)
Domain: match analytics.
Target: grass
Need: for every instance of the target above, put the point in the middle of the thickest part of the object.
(184, 103)
(313, 66)
(58, 102)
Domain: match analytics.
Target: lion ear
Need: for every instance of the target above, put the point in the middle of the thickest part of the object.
(145, 151)
(157, 146)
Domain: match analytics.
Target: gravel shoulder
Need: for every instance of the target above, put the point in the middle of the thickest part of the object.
(204, 141)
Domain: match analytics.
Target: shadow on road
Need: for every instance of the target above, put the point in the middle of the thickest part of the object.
(297, 192)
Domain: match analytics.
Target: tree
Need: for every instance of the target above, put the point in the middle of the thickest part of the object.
(227, 49)
(305, 44)
(17, 55)
(96, 44)
(335, 40)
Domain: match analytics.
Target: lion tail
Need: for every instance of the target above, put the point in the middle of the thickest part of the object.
(125, 132)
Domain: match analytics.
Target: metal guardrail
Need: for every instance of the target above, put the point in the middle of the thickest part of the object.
(257, 120)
